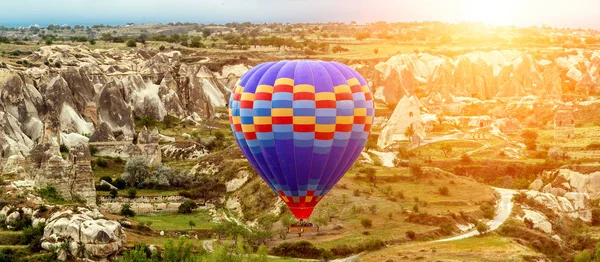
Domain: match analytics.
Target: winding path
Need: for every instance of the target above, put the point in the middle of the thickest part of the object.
(503, 209)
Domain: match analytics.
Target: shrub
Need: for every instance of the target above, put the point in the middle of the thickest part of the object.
(197, 44)
(339, 49)
(596, 216)
(583, 256)
(102, 187)
(107, 179)
(301, 249)
(93, 150)
(131, 43)
(32, 236)
(64, 148)
(187, 207)
(416, 170)
(373, 209)
(48, 41)
(488, 210)
(131, 192)
(416, 208)
(92, 41)
(366, 223)
(444, 191)
(411, 235)
(104, 164)
(482, 228)
(126, 210)
(446, 228)
(120, 183)
(50, 193)
(113, 193)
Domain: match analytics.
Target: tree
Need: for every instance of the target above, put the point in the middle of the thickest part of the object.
(390, 215)
(482, 228)
(409, 132)
(444, 191)
(114, 192)
(131, 192)
(206, 33)
(331, 211)
(187, 207)
(266, 221)
(446, 149)
(126, 210)
(411, 235)
(530, 137)
(136, 172)
(366, 223)
(370, 174)
(373, 209)
(131, 42)
(488, 210)
(362, 36)
(376, 50)
(320, 220)
(192, 224)
(92, 41)
(371, 145)
(597, 252)
(206, 188)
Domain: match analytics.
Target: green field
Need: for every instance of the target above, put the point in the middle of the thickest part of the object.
(170, 221)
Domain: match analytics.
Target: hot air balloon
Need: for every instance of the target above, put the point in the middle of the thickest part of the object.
(301, 124)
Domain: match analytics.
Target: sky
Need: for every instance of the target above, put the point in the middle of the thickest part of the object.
(556, 13)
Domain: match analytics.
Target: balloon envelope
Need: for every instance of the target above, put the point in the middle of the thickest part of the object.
(301, 124)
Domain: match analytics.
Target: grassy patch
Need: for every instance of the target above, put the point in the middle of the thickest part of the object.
(175, 221)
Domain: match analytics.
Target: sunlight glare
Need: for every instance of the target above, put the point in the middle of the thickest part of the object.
(493, 12)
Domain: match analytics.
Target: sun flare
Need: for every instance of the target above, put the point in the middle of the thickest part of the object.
(494, 12)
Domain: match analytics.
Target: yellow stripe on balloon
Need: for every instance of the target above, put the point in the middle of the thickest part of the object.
(285, 199)
(263, 120)
(264, 89)
(344, 120)
(248, 128)
(365, 89)
(239, 89)
(304, 89)
(305, 120)
(247, 97)
(325, 128)
(284, 81)
(236, 120)
(360, 111)
(342, 89)
(282, 112)
(353, 81)
(308, 198)
(324, 96)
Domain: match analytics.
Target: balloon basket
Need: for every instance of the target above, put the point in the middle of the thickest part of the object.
(301, 227)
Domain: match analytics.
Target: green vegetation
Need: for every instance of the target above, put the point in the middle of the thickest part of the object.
(126, 210)
(176, 221)
(50, 193)
(187, 207)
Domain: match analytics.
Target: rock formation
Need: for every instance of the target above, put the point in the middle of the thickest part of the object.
(82, 234)
(407, 115)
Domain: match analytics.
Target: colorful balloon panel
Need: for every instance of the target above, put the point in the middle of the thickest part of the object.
(301, 124)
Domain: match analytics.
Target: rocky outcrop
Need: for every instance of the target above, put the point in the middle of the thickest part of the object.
(184, 150)
(82, 234)
(574, 205)
(406, 116)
